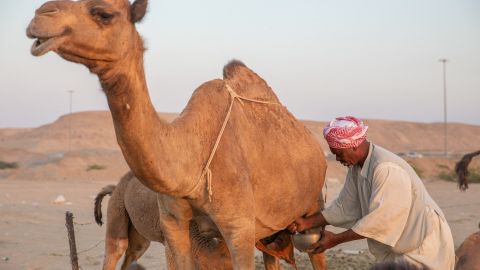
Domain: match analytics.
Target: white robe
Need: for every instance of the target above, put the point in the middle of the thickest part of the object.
(386, 202)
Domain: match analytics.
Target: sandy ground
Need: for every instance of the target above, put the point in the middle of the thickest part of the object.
(33, 233)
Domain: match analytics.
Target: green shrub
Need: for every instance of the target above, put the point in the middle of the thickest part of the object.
(8, 165)
(418, 171)
(447, 176)
(96, 167)
(443, 166)
(474, 176)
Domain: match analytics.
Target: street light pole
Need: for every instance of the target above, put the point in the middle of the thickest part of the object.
(70, 121)
(444, 64)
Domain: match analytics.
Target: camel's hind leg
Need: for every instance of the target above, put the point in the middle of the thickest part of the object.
(114, 249)
(137, 245)
(270, 262)
(319, 261)
(116, 238)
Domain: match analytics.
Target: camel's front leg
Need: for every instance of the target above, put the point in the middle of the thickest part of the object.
(175, 217)
(233, 211)
(239, 234)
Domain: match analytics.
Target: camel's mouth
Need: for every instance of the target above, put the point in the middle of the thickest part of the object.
(42, 45)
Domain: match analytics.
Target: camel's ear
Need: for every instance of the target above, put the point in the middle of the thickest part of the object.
(138, 10)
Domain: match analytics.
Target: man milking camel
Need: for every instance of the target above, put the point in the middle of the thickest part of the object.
(383, 200)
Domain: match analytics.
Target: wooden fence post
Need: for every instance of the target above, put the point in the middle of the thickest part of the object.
(71, 240)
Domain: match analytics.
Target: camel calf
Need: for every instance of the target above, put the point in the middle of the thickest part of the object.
(133, 223)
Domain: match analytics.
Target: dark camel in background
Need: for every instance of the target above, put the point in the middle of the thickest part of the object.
(461, 169)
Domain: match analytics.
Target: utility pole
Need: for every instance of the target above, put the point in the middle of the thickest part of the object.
(70, 121)
(444, 64)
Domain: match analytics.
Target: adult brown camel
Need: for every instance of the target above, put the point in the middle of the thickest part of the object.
(461, 169)
(267, 171)
(132, 224)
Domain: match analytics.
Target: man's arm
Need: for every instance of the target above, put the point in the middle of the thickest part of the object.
(330, 240)
(343, 212)
(346, 236)
(389, 206)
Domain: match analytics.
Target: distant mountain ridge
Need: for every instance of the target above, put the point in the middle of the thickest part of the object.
(92, 152)
(94, 130)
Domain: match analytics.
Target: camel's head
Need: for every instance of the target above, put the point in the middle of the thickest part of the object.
(87, 31)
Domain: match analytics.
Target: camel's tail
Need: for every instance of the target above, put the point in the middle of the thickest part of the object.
(98, 202)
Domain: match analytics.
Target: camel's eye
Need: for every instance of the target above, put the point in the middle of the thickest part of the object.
(106, 16)
(102, 16)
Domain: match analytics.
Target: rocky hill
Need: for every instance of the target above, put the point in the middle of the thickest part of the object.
(83, 146)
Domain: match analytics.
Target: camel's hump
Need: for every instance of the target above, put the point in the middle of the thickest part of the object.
(230, 69)
(246, 82)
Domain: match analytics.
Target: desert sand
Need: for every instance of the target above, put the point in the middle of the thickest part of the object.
(77, 155)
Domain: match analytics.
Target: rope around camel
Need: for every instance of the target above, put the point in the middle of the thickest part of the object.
(206, 170)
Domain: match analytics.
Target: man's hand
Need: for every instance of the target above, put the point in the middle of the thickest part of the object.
(299, 225)
(327, 241)
(304, 223)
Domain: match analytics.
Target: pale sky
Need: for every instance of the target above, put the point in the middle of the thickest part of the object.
(375, 59)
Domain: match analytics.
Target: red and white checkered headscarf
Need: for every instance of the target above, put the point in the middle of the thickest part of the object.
(345, 132)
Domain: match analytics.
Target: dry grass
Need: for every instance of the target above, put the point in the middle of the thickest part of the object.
(96, 167)
(8, 165)
(416, 169)
(474, 175)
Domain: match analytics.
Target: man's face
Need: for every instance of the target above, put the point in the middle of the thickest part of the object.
(346, 156)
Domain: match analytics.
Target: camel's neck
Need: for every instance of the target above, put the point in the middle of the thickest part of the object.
(156, 151)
